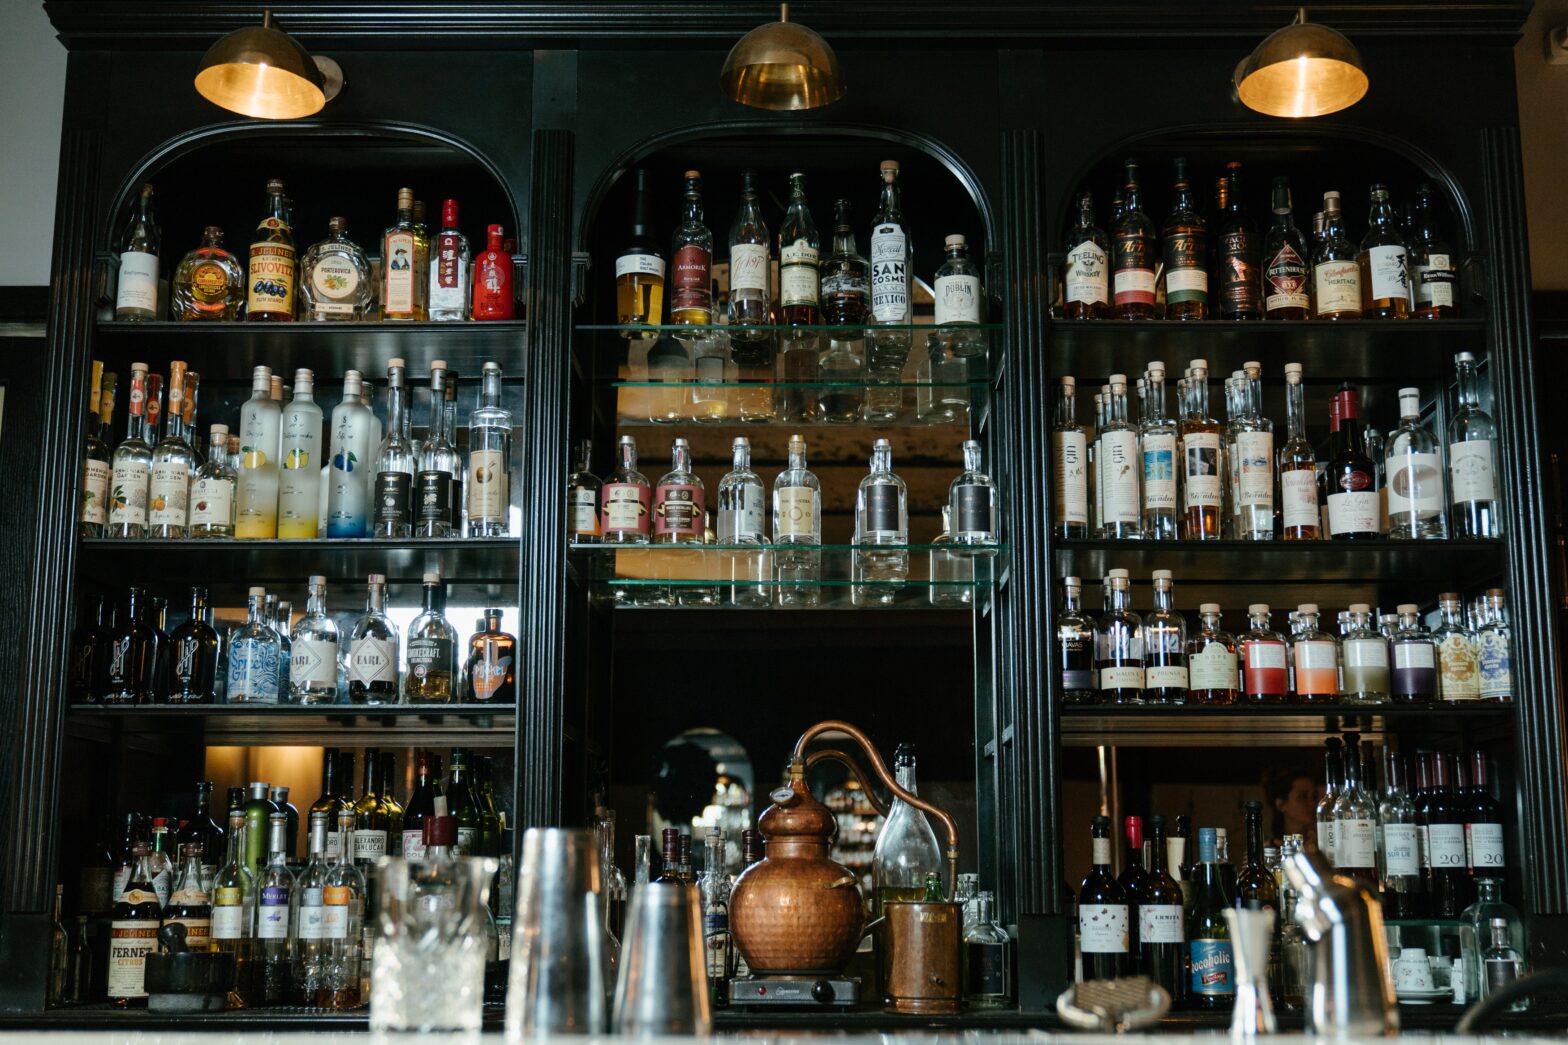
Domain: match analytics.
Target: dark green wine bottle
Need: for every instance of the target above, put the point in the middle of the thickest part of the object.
(1212, 977)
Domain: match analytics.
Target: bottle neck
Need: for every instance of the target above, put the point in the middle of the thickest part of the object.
(1072, 600)
(742, 459)
(1066, 406)
(904, 773)
(889, 207)
(628, 457)
(490, 389)
(881, 460)
(1465, 374)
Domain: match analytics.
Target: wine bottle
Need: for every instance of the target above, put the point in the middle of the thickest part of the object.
(1212, 981)
(1103, 924)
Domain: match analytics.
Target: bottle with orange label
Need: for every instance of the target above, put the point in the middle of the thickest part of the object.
(490, 672)
(133, 933)
(1317, 660)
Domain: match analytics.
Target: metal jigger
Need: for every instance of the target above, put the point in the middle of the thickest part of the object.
(557, 975)
(1251, 940)
(663, 984)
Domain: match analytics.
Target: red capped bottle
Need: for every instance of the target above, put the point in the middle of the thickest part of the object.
(1350, 476)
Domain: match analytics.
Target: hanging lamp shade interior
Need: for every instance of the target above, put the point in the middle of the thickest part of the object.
(262, 71)
(782, 65)
(1304, 69)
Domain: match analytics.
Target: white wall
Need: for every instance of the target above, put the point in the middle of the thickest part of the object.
(32, 96)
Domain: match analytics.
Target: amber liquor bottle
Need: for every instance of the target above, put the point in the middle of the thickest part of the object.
(639, 270)
(270, 280)
(1350, 476)
(1336, 274)
(1284, 261)
(1086, 276)
(1185, 243)
(400, 284)
(1239, 292)
(1199, 435)
(1431, 264)
(1133, 248)
(1385, 274)
(490, 673)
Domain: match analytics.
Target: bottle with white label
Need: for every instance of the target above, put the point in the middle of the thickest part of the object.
(1413, 474)
(131, 467)
(892, 280)
(742, 496)
(1447, 812)
(1398, 848)
(1354, 507)
(1298, 476)
(1434, 284)
(449, 268)
(1185, 251)
(136, 296)
(1414, 674)
(1315, 655)
(625, 499)
(1069, 467)
(93, 509)
(881, 518)
(797, 522)
(1385, 274)
(1484, 850)
(1202, 460)
(1252, 451)
(173, 460)
(751, 303)
(1494, 650)
(1211, 660)
(960, 300)
(1119, 467)
(1104, 925)
(309, 945)
(372, 650)
(212, 490)
(1472, 459)
(582, 497)
(313, 658)
(1134, 248)
(1336, 270)
(1118, 640)
(274, 907)
(1333, 768)
(1458, 670)
(489, 460)
(1164, 647)
(1086, 267)
(1364, 655)
(1157, 440)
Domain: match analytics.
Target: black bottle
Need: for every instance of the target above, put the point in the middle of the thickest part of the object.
(204, 831)
(131, 671)
(1240, 290)
(1103, 916)
(1162, 946)
(193, 656)
(89, 652)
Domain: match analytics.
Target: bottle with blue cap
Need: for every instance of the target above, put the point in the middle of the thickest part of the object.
(1212, 978)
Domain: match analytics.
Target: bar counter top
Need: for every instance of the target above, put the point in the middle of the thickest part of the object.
(1038, 1037)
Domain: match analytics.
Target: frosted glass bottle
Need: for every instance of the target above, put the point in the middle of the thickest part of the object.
(299, 476)
(350, 463)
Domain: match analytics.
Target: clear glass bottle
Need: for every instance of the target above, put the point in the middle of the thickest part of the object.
(254, 657)
(1502, 963)
(691, 254)
(1459, 675)
(797, 530)
(1413, 470)
(639, 268)
(1069, 467)
(440, 468)
(1134, 244)
(1265, 659)
(1385, 276)
(397, 463)
(960, 301)
(881, 518)
(713, 890)
(800, 257)
(300, 462)
(136, 292)
(209, 283)
(1119, 657)
(1333, 777)
(93, 510)
(343, 909)
(1494, 650)
(988, 959)
(846, 292)
(274, 904)
(271, 280)
(742, 521)
(892, 301)
(952, 573)
(1433, 282)
(131, 466)
(261, 429)
(1211, 660)
(313, 651)
(449, 269)
(1252, 450)
(679, 510)
(1414, 678)
(402, 293)
(336, 283)
(1315, 654)
(1158, 451)
(582, 498)
(1185, 243)
(625, 499)
(490, 460)
(431, 677)
(972, 502)
(310, 950)
(1086, 267)
(1298, 478)
(371, 653)
(1472, 459)
(233, 890)
(1364, 651)
(1398, 845)
(1075, 646)
(1117, 461)
(348, 489)
(906, 849)
(1336, 271)
(1285, 275)
(751, 304)
(670, 375)
(173, 461)
(1164, 647)
(1203, 493)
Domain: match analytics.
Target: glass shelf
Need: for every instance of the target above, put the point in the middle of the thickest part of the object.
(1425, 564)
(287, 724)
(838, 576)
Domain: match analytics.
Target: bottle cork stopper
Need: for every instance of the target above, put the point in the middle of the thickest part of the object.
(1209, 607)
(1407, 607)
(1360, 607)
(1307, 607)
(1258, 607)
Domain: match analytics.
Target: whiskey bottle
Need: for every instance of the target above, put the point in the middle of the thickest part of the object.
(1211, 660)
(131, 468)
(1264, 656)
(209, 283)
(582, 498)
(1104, 925)
(1385, 276)
(1069, 465)
(193, 671)
(881, 518)
(1472, 459)
(846, 302)
(625, 499)
(751, 303)
(799, 261)
(1459, 676)
(1494, 651)
(1133, 247)
(493, 296)
(490, 672)
(691, 253)
(1239, 293)
(1164, 647)
(1202, 485)
(136, 295)
(256, 492)
(1118, 463)
(400, 297)
(1336, 270)
(1252, 451)
(173, 462)
(1350, 475)
(372, 657)
(212, 490)
(1432, 275)
(335, 278)
(432, 649)
(639, 269)
(397, 463)
(1256, 888)
(1086, 279)
(1119, 653)
(1365, 658)
(1185, 242)
(797, 523)
(1285, 276)
(270, 277)
(448, 293)
(1075, 648)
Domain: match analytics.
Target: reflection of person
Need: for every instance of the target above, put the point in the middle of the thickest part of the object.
(685, 785)
(1293, 796)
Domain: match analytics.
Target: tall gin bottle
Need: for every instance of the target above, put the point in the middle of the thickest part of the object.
(1472, 458)
(679, 508)
(797, 529)
(1164, 647)
(881, 518)
(892, 274)
(1253, 451)
(489, 460)
(1119, 657)
(1298, 477)
(742, 516)
(1158, 455)
(1119, 467)
(1069, 467)
(751, 303)
(397, 462)
(1413, 474)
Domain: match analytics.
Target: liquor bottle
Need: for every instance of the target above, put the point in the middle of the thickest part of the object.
(489, 460)
(988, 958)
(1298, 485)
(173, 463)
(1211, 661)
(493, 296)
(1365, 657)
(439, 466)
(190, 903)
(972, 502)
(1202, 457)
(1211, 983)
(1133, 880)
(313, 656)
(1256, 888)
(1119, 467)
(1413, 470)
(397, 463)
(881, 518)
(343, 903)
(1414, 678)
(93, 509)
(1385, 276)
(713, 891)
(310, 950)
(255, 656)
(583, 490)
(1185, 243)
(400, 297)
(278, 795)
(906, 848)
(670, 856)
(130, 674)
(1502, 963)
(1432, 275)
(750, 301)
(1459, 676)
(1104, 925)
(348, 492)
(1239, 291)
(208, 283)
(1251, 450)
(1448, 881)
(797, 522)
(372, 650)
(133, 933)
(1164, 647)
(1484, 850)
(131, 467)
(892, 301)
(432, 649)
(448, 291)
(194, 656)
(1350, 476)
(1069, 462)
(1398, 849)
(212, 490)
(335, 278)
(231, 931)
(639, 268)
(421, 803)
(1086, 276)
(274, 901)
(799, 261)
(679, 501)
(136, 296)
(1133, 249)
(279, 617)
(1161, 929)
(1119, 654)
(389, 803)
(256, 494)
(1316, 660)
(1157, 438)
(327, 802)
(1285, 275)
(461, 804)
(1336, 270)
(691, 251)
(742, 520)
(89, 651)
(846, 301)
(270, 278)
(1494, 651)
(1472, 460)
(1355, 820)
(1264, 657)
(490, 670)
(625, 498)
(299, 463)
(1075, 646)
(370, 819)
(959, 301)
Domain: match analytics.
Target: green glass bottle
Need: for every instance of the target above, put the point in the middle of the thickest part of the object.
(461, 805)
(258, 813)
(1212, 979)
(489, 815)
(934, 888)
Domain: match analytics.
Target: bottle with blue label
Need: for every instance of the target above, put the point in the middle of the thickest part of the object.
(254, 655)
(1211, 973)
(1494, 651)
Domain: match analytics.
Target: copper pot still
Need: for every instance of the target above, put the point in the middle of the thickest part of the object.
(796, 911)
(923, 939)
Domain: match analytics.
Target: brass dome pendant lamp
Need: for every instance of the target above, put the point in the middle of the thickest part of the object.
(782, 65)
(262, 71)
(1304, 69)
